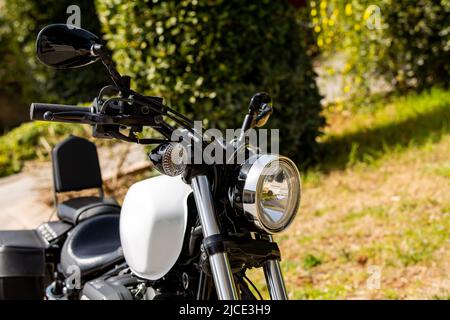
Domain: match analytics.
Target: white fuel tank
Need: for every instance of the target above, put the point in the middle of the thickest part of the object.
(152, 225)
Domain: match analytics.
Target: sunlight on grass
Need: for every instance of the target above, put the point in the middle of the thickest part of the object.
(371, 211)
(436, 297)
(310, 261)
(310, 292)
(443, 170)
(378, 198)
(382, 129)
(420, 242)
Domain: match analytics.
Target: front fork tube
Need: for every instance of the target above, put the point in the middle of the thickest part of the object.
(274, 280)
(220, 265)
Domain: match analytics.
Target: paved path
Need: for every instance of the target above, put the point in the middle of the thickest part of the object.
(21, 203)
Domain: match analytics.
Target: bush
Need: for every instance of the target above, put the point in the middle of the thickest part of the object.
(208, 57)
(22, 74)
(30, 141)
(24, 80)
(419, 52)
(14, 77)
(408, 47)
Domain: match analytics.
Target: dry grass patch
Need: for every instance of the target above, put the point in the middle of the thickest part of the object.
(393, 215)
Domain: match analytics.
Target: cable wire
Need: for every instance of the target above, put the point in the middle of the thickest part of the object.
(253, 286)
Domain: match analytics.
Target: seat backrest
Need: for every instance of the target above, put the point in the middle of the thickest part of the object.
(75, 165)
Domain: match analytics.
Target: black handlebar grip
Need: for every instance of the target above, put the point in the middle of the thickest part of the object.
(41, 111)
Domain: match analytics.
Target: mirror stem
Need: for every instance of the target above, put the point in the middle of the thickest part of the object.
(254, 113)
(246, 125)
(119, 81)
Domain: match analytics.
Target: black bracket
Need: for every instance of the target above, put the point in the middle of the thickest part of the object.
(242, 250)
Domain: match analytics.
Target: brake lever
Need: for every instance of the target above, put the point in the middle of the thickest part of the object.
(85, 118)
(94, 118)
(121, 136)
(64, 116)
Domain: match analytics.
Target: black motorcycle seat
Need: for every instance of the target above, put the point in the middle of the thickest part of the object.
(78, 209)
(92, 245)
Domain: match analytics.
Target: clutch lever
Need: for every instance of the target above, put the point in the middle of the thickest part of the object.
(98, 118)
(108, 121)
(69, 116)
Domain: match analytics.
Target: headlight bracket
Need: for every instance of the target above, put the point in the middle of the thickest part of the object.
(242, 250)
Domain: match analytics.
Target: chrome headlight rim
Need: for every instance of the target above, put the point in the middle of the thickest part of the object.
(251, 191)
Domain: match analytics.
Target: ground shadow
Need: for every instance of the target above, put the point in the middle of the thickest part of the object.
(372, 143)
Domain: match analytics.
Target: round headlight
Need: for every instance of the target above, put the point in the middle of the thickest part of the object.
(269, 192)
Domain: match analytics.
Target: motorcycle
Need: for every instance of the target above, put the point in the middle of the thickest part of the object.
(195, 230)
(43, 255)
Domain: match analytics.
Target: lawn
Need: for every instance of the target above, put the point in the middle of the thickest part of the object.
(375, 218)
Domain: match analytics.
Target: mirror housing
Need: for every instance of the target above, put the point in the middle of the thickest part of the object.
(260, 108)
(263, 116)
(64, 46)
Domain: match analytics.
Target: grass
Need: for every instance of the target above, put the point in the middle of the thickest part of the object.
(310, 261)
(443, 170)
(379, 199)
(310, 292)
(386, 127)
(370, 211)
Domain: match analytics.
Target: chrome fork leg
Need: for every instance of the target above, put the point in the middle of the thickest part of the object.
(274, 279)
(220, 266)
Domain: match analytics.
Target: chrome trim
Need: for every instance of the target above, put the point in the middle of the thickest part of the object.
(220, 266)
(203, 199)
(250, 196)
(274, 280)
(223, 277)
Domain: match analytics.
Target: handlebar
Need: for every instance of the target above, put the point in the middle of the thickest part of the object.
(74, 114)
(45, 111)
(137, 112)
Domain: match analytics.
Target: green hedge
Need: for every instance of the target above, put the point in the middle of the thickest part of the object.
(20, 22)
(208, 57)
(30, 141)
(419, 52)
(24, 80)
